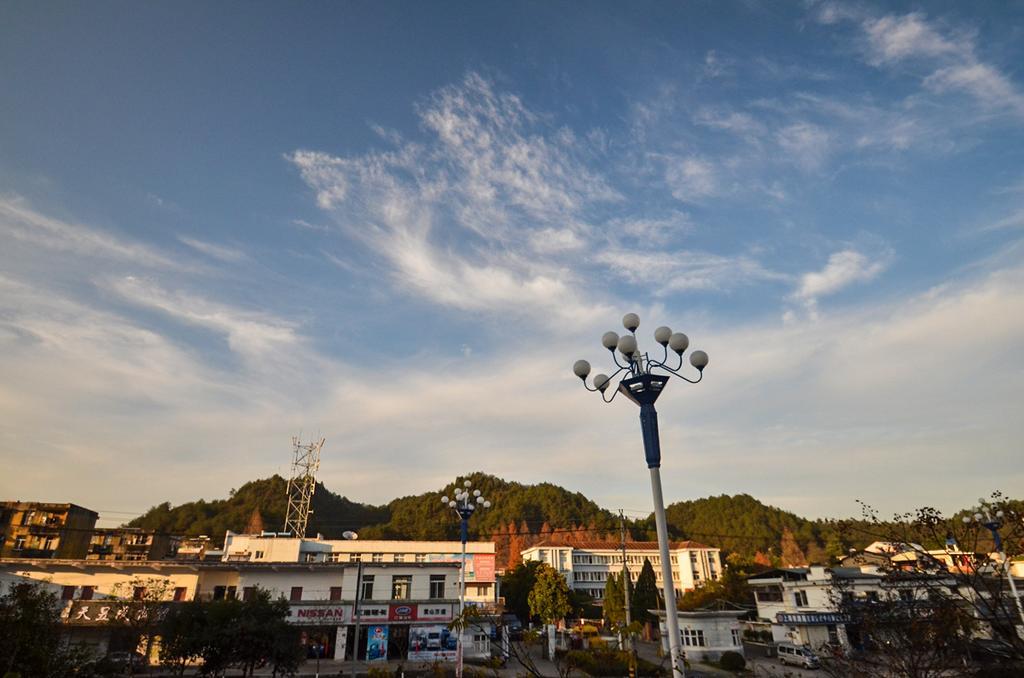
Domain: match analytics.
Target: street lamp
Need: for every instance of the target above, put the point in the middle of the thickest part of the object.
(464, 503)
(992, 524)
(640, 381)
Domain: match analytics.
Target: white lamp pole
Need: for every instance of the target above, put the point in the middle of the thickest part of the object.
(464, 504)
(641, 383)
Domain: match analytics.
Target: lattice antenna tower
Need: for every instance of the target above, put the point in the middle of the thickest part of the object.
(305, 464)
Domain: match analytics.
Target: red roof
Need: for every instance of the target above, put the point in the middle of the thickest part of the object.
(615, 546)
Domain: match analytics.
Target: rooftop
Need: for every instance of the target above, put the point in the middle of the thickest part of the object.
(617, 546)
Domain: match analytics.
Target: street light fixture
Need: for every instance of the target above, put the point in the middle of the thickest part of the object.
(992, 524)
(642, 379)
(464, 502)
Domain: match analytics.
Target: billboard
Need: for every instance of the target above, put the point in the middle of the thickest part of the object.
(479, 566)
(377, 644)
(432, 643)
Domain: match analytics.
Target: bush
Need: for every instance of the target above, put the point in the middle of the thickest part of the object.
(609, 663)
(732, 661)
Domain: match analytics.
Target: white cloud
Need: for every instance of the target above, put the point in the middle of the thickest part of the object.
(250, 333)
(894, 38)
(667, 272)
(806, 144)
(19, 221)
(843, 269)
(691, 178)
(1013, 220)
(226, 254)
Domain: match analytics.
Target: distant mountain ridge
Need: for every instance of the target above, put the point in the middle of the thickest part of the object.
(521, 515)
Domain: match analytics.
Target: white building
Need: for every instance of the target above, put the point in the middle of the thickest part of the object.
(798, 605)
(586, 564)
(269, 548)
(705, 634)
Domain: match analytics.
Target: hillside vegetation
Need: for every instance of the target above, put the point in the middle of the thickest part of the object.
(523, 515)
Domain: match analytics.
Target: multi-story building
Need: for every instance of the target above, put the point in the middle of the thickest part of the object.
(130, 543)
(408, 604)
(586, 564)
(270, 548)
(34, 529)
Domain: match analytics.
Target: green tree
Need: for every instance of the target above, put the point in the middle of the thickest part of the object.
(516, 585)
(645, 595)
(731, 587)
(613, 604)
(549, 598)
(260, 622)
(30, 634)
(181, 635)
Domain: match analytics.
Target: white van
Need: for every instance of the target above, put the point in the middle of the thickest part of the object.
(797, 656)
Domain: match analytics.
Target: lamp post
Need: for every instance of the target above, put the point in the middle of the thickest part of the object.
(992, 524)
(642, 379)
(464, 503)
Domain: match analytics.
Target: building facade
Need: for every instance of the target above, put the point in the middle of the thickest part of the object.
(401, 609)
(586, 565)
(130, 543)
(480, 556)
(34, 529)
(705, 634)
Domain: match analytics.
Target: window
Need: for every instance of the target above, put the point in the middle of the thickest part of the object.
(436, 586)
(768, 595)
(367, 592)
(421, 557)
(872, 596)
(87, 592)
(296, 593)
(232, 592)
(248, 592)
(693, 637)
(67, 593)
(401, 584)
(355, 558)
(736, 637)
(139, 593)
(906, 595)
(179, 593)
(378, 557)
(335, 593)
(258, 555)
(219, 591)
(800, 597)
(833, 634)
(399, 557)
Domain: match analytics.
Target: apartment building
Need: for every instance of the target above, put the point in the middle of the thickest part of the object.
(33, 529)
(586, 564)
(269, 548)
(130, 543)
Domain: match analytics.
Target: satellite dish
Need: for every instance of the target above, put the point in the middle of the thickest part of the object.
(348, 534)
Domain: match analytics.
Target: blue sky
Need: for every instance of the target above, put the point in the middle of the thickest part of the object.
(398, 224)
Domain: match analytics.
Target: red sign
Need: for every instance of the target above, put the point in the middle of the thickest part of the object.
(483, 563)
(402, 612)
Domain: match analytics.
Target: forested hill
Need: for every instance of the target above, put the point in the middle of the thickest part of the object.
(522, 515)
(332, 514)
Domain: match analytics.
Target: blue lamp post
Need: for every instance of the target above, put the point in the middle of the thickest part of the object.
(642, 379)
(464, 503)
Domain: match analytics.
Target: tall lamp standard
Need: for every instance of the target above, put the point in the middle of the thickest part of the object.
(464, 504)
(992, 524)
(641, 382)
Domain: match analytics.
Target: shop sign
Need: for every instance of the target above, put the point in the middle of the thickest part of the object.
(811, 618)
(99, 613)
(432, 643)
(434, 612)
(479, 566)
(402, 612)
(319, 614)
(372, 613)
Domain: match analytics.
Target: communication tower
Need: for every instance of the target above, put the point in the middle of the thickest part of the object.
(305, 464)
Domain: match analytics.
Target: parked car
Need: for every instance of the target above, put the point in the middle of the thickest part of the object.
(797, 656)
(515, 627)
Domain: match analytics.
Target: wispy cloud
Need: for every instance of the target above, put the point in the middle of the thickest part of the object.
(674, 271)
(18, 220)
(229, 255)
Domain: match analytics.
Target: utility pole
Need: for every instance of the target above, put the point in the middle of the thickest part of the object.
(626, 582)
(355, 642)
